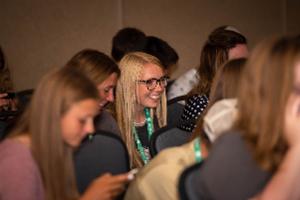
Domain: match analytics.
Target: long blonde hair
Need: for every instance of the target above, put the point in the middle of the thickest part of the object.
(131, 67)
(266, 85)
(53, 97)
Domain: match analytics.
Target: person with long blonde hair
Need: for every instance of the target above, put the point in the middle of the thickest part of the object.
(37, 157)
(140, 103)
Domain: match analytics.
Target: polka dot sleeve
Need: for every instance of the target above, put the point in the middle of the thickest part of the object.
(192, 110)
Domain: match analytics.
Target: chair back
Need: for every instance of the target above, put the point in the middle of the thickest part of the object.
(187, 181)
(175, 109)
(166, 137)
(105, 152)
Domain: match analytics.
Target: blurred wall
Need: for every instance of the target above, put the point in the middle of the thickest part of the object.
(39, 35)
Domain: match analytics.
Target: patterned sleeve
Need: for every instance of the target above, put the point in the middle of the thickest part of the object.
(192, 110)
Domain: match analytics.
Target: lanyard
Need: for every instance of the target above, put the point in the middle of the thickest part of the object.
(197, 150)
(138, 142)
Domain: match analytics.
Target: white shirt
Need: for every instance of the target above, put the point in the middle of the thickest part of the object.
(183, 84)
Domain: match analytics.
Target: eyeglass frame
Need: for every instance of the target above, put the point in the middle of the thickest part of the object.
(157, 81)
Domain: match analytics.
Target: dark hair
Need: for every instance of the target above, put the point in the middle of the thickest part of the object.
(6, 83)
(127, 40)
(162, 50)
(214, 54)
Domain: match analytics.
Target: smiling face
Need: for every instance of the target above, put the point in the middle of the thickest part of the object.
(77, 122)
(106, 90)
(150, 98)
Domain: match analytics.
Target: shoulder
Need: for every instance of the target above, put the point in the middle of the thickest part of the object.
(231, 159)
(13, 151)
(105, 121)
(198, 99)
(17, 158)
(17, 167)
(196, 104)
(183, 84)
(166, 166)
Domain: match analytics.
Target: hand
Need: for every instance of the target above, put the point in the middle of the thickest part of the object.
(3, 102)
(292, 120)
(106, 187)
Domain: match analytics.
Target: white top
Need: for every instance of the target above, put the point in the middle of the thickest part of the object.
(219, 118)
(183, 84)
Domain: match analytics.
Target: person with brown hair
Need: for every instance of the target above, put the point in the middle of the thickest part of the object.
(244, 158)
(104, 72)
(222, 44)
(284, 184)
(169, 164)
(140, 103)
(221, 111)
(37, 158)
(6, 84)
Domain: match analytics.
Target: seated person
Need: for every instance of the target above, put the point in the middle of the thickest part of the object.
(158, 180)
(222, 45)
(244, 158)
(104, 72)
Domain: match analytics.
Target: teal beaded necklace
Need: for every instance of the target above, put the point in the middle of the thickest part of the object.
(197, 150)
(138, 142)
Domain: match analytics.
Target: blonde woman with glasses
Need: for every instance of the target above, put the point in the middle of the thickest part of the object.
(140, 103)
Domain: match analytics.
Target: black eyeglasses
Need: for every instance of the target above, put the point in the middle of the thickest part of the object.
(152, 83)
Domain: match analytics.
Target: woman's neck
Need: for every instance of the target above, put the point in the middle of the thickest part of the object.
(140, 117)
(24, 139)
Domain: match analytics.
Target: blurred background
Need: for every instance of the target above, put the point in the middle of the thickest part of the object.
(38, 35)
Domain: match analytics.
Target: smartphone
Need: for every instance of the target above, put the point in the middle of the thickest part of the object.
(10, 95)
(132, 173)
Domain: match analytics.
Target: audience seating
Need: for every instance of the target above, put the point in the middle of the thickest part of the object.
(166, 137)
(104, 152)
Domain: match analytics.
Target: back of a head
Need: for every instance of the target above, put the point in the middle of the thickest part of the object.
(127, 40)
(227, 80)
(94, 64)
(225, 86)
(214, 54)
(266, 85)
(162, 50)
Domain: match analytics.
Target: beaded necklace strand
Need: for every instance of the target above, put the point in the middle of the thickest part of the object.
(138, 142)
(197, 150)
